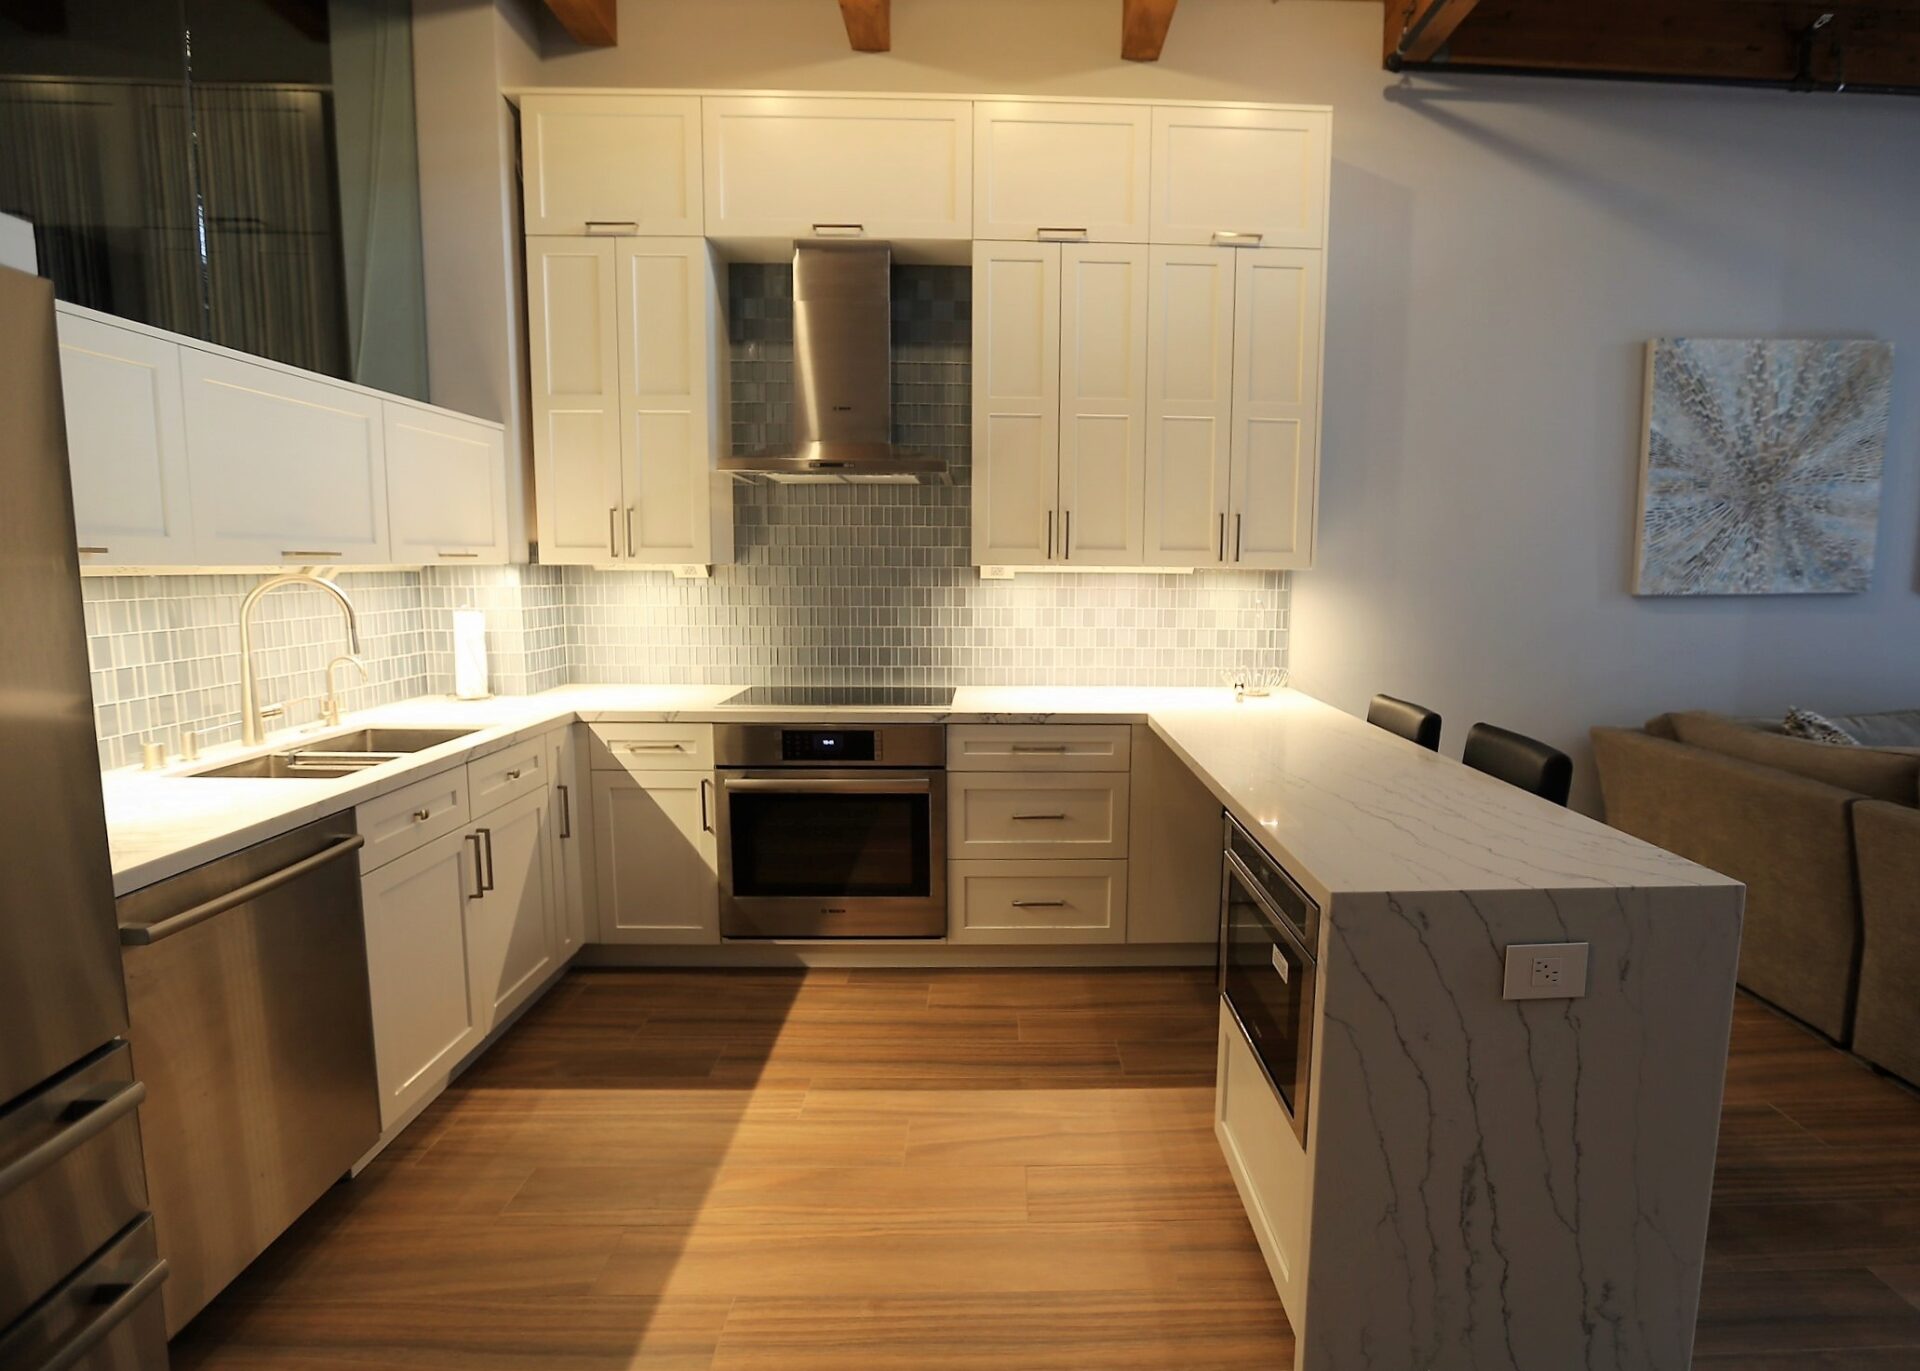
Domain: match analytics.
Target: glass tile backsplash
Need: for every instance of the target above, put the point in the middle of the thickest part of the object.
(833, 583)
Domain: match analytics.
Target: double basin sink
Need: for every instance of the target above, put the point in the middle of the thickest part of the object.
(338, 754)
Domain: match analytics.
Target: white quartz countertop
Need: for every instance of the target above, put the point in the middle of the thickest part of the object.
(1346, 807)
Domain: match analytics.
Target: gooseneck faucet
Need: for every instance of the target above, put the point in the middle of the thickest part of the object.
(252, 718)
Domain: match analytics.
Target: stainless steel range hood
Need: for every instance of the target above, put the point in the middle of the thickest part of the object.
(842, 376)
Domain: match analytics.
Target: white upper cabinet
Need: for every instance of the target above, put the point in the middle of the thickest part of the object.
(1103, 400)
(446, 487)
(1276, 407)
(1189, 423)
(286, 467)
(1061, 171)
(126, 442)
(668, 313)
(573, 353)
(1016, 403)
(618, 164)
(780, 168)
(1240, 176)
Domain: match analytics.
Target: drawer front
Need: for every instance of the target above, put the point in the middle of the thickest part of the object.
(1039, 747)
(106, 1317)
(412, 817)
(1038, 902)
(652, 747)
(1058, 814)
(506, 776)
(86, 1186)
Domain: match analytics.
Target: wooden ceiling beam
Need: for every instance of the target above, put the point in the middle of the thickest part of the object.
(1143, 28)
(590, 23)
(1867, 43)
(1419, 29)
(869, 24)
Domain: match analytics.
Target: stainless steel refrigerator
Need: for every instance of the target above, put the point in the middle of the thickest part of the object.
(79, 1268)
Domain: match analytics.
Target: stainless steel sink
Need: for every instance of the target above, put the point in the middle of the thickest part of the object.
(338, 754)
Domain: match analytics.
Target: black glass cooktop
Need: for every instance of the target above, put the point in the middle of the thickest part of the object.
(813, 697)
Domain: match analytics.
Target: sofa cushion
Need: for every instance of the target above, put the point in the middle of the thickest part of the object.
(1874, 772)
(1895, 728)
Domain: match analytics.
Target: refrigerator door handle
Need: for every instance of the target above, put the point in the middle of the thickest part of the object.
(87, 1119)
(125, 1299)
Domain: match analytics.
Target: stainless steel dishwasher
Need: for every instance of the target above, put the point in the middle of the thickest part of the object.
(252, 1028)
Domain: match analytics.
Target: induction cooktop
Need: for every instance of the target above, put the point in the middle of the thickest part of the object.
(815, 696)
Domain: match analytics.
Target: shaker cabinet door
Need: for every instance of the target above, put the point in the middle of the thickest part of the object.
(1189, 419)
(614, 164)
(1226, 175)
(657, 857)
(446, 487)
(573, 356)
(1103, 402)
(1016, 403)
(1276, 408)
(1056, 171)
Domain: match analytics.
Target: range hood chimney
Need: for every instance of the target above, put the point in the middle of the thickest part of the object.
(842, 375)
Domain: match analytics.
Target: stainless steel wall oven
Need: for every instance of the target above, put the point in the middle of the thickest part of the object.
(832, 831)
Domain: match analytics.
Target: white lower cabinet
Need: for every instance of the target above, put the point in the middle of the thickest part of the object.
(424, 1016)
(509, 933)
(1268, 1163)
(656, 857)
(564, 817)
(1037, 902)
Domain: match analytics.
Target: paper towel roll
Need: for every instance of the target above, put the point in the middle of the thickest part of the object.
(469, 654)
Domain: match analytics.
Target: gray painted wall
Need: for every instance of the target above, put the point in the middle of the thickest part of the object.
(1501, 251)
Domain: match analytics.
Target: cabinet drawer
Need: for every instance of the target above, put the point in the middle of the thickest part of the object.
(105, 1317)
(1037, 902)
(996, 815)
(504, 776)
(411, 817)
(1038, 747)
(652, 747)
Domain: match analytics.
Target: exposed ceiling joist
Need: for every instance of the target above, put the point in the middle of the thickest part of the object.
(1143, 28)
(1812, 44)
(1423, 27)
(869, 24)
(590, 23)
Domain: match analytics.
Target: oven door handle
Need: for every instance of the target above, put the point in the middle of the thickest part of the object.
(852, 785)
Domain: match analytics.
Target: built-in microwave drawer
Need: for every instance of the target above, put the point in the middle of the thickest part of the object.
(1039, 747)
(105, 1317)
(412, 817)
(70, 1176)
(1039, 814)
(652, 747)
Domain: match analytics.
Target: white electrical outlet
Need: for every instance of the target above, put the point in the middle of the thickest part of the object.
(1546, 971)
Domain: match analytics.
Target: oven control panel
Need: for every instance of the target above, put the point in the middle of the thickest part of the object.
(829, 745)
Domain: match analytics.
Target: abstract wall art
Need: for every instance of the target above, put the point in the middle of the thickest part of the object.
(1760, 470)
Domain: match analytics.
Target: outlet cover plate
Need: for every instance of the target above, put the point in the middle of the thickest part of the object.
(1546, 971)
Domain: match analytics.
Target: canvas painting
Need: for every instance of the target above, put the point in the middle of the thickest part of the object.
(1760, 473)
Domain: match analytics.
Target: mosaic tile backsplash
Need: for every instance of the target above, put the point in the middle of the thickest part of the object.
(833, 583)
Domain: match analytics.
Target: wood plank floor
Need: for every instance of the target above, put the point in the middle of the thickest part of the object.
(954, 1169)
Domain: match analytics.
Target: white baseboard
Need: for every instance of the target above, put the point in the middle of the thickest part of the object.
(892, 954)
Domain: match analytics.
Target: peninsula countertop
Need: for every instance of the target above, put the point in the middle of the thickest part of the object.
(1348, 808)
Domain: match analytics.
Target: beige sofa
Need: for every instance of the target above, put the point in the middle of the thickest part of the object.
(1827, 839)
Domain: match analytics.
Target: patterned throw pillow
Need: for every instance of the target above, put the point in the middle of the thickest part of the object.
(1818, 728)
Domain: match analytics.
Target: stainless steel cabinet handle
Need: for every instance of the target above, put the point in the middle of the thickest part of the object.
(613, 226)
(141, 934)
(838, 230)
(655, 747)
(629, 530)
(613, 531)
(1039, 904)
(566, 812)
(1045, 234)
(1228, 238)
(1223, 535)
(86, 1118)
(1049, 535)
(307, 552)
(1066, 536)
(479, 891)
(1038, 747)
(706, 824)
(486, 836)
(444, 553)
(96, 549)
(1236, 537)
(514, 774)
(1025, 818)
(420, 816)
(125, 1299)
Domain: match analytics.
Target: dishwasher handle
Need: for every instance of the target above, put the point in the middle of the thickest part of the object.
(142, 934)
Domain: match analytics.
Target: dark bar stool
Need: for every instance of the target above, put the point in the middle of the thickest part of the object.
(1519, 760)
(1415, 723)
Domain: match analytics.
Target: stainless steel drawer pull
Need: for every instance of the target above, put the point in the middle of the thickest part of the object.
(655, 747)
(479, 891)
(486, 836)
(629, 530)
(307, 552)
(125, 1298)
(1230, 238)
(613, 531)
(140, 935)
(613, 226)
(1236, 537)
(1055, 234)
(420, 816)
(1223, 535)
(1039, 904)
(97, 550)
(566, 811)
(84, 1119)
(706, 824)
(444, 553)
(838, 230)
(514, 774)
(1039, 747)
(1025, 817)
